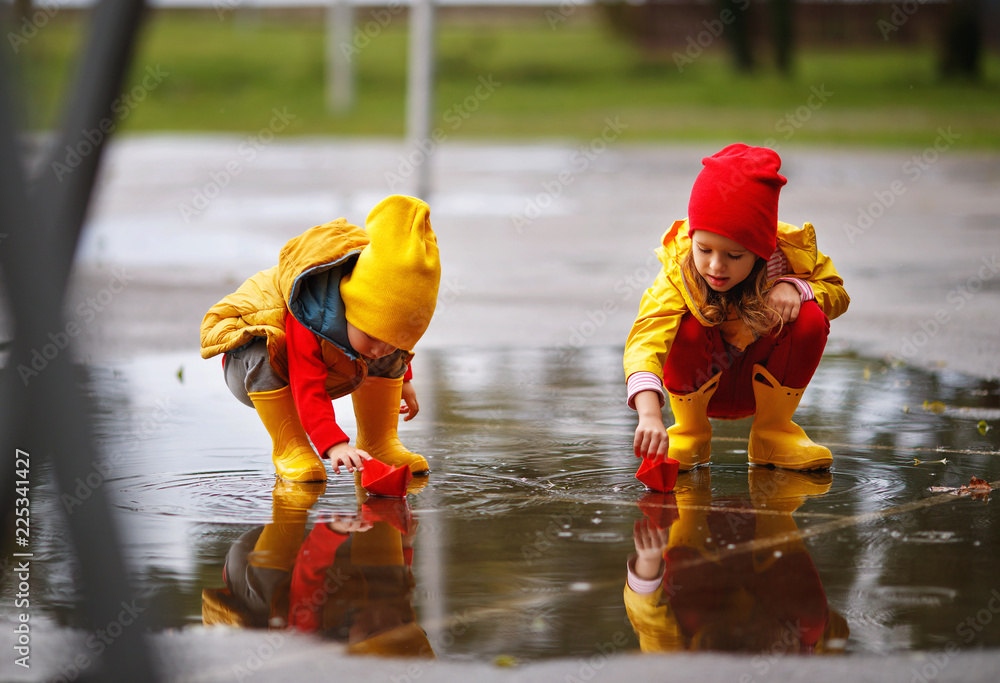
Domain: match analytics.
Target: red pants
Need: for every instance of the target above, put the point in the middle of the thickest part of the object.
(791, 355)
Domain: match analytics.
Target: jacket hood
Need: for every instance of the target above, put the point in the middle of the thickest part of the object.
(310, 267)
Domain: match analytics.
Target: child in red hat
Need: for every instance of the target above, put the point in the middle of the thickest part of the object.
(735, 323)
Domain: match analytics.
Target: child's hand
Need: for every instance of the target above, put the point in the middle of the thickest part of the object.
(651, 439)
(650, 436)
(347, 455)
(650, 544)
(784, 298)
(409, 407)
(343, 524)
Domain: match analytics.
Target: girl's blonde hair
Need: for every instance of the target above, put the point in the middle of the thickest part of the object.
(747, 299)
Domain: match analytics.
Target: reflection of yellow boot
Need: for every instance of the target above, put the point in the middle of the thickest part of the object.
(293, 455)
(776, 494)
(784, 490)
(690, 436)
(774, 438)
(279, 542)
(376, 407)
(693, 492)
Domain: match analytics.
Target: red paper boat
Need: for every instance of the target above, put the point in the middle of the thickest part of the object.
(660, 475)
(385, 480)
(394, 512)
(659, 508)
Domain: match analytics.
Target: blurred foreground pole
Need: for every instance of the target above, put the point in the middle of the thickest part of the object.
(43, 414)
(420, 94)
(340, 56)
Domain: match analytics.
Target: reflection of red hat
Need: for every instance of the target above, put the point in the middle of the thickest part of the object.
(736, 196)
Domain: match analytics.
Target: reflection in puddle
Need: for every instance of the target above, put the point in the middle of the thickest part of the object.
(703, 577)
(347, 579)
(519, 539)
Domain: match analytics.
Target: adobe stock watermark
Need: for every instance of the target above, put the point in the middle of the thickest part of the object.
(224, 7)
(454, 116)
(561, 14)
(33, 23)
(588, 668)
(967, 630)
(415, 670)
(558, 527)
(956, 299)
(86, 314)
(698, 43)
(255, 658)
(363, 35)
(901, 13)
(247, 150)
(790, 642)
(913, 169)
(104, 468)
(794, 120)
(579, 161)
(625, 288)
(121, 108)
(97, 642)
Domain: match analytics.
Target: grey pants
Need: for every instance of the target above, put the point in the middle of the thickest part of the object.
(248, 369)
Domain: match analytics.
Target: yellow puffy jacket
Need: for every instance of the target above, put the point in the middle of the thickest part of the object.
(305, 282)
(665, 303)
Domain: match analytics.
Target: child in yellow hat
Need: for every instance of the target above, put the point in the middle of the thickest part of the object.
(339, 314)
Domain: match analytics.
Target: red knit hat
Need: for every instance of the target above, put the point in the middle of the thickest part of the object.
(736, 196)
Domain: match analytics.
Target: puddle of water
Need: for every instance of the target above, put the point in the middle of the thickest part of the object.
(518, 544)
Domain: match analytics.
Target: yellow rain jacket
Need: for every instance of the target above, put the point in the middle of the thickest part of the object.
(305, 282)
(665, 303)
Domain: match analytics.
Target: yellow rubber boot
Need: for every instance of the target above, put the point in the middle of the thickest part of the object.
(690, 436)
(774, 438)
(293, 455)
(376, 407)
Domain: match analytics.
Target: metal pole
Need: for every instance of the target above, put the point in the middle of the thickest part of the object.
(44, 413)
(420, 93)
(341, 54)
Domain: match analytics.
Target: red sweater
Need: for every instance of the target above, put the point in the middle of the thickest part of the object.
(307, 377)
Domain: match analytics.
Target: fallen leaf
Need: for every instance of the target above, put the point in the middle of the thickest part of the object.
(983, 427)
(867, 375)
(934, 406)
(505, 661)
(942, 461)
(977, 488)
(180, 374)
(979, 484)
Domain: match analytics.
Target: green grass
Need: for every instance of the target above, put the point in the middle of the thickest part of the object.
(228, 75)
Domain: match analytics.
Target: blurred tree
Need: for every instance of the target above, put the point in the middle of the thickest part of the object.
(22, 8)
(738, 31)
(963, 40)
(783, 34)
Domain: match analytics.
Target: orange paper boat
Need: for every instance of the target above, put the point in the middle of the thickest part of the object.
(385, 480)
(660, 475)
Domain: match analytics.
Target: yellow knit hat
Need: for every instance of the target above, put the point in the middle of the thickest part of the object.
(392, 291)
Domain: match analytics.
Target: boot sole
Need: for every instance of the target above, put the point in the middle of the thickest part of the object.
(812, 466)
